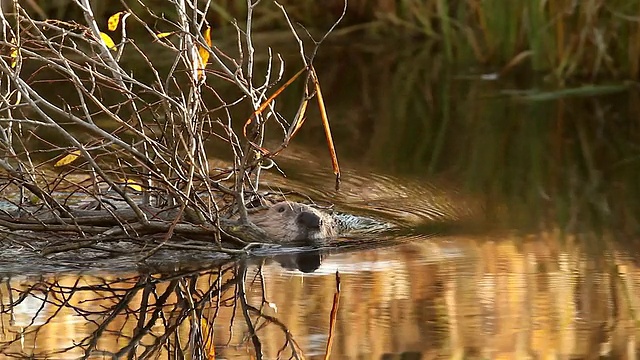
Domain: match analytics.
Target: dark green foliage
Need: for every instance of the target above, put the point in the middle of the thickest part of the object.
(568, 39)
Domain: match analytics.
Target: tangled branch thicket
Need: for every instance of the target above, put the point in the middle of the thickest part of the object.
(118, 157)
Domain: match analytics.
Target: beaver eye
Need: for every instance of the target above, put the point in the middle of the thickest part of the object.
(281, 209)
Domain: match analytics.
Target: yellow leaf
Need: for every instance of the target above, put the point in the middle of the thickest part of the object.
(108, 42)
(14, 58)
(114, 20)
(68, 159)
(131, 184)
(14, 54)
(207, 336)
(207, 35)
(165, 34)
(204, 53)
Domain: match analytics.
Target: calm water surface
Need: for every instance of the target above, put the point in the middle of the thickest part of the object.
(539, 260)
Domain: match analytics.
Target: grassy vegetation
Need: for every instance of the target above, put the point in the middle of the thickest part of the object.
(567, 39)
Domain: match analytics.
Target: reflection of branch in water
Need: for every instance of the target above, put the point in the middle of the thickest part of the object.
(243, 302)
(44, 294)
(140, 316)
(290, 341)
(141, 331)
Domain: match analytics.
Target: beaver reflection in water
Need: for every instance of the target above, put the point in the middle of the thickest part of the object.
(290, 221)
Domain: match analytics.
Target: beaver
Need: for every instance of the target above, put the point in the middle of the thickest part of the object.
(293, 221)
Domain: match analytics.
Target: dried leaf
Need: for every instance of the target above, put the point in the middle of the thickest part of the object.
(204, 53)
(114, 20)
(68, 159)
(108, 42)
(165, 34)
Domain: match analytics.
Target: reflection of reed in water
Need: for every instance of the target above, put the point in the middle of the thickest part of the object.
(491, 299)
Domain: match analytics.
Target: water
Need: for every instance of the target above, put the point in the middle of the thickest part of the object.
(539, 260)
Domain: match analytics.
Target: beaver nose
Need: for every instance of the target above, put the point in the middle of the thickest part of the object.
(309, 220)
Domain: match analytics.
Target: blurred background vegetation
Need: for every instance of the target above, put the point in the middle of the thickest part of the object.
(566, 158)
(561, 38)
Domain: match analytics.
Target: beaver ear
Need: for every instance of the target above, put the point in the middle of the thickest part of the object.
(281, 209)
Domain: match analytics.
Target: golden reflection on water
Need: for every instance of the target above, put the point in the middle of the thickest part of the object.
(483, 297)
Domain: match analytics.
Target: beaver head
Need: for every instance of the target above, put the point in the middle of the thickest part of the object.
(290, 221)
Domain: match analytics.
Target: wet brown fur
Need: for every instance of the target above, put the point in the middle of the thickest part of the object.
(282, 221)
